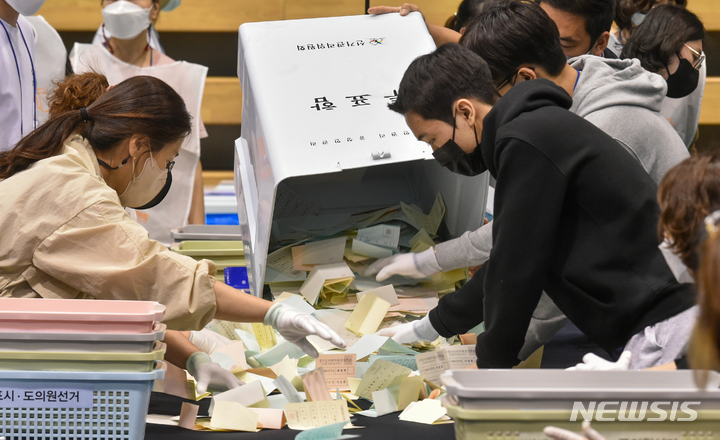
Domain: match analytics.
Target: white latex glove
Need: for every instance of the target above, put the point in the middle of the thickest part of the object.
(296, 327)
(209, 374)
(594, 362)
(208, 340)
(420, 330)
(410, 265)
(564, 434)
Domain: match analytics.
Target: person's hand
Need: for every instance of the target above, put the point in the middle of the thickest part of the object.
(420, 330)
(564, 434)
(209, 374)
(405, 9)
(594, 362)
(410, 265)
(208, 340)
(296, 327)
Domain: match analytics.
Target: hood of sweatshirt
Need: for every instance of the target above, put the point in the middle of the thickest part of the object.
(604, 83)
(523, 97)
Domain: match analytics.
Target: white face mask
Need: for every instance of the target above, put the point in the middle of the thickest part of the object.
(126, 20)
(26, 7)
(638, 18)
(144, 188)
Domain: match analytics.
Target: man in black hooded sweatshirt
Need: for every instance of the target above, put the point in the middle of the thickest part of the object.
(575, 215)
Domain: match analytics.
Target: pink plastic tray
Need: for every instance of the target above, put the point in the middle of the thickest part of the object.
(78, 315)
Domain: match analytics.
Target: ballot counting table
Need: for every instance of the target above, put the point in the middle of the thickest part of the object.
(379, 428)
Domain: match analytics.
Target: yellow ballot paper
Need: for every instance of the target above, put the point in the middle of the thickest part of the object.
(307, 415)
(368, 315)
(265, 335)
(409, 391)
(385, 292)
(233, 416)
(328, 432)
(322, 275)
(426, 411)
(429, 222)
(421, 242)
(379, 376)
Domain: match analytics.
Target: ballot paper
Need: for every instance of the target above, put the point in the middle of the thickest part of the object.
(421, 241)
(426, 411)
(384, 401)
(386, 236)
(282, 261)
(328, 432)
(320, 274)
(370, 250)
(434, 363)
(233, 416)
(278, 352)
(270, 418)
(324, 252)
(368, 315)
(336, 320)
(288, 390)
(245, 395)
(307, 415)
(298, 253)
(296, 302)
(429, 222)
(338, 368)
(367, 345)
(236, 351)
(188, 415)
(404, 360)
(380, 375)
(264, 335)
(409, 391)
(315, 386)
(385, 292)
(393, 347)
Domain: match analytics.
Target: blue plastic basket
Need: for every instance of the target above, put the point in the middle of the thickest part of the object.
(43, 404)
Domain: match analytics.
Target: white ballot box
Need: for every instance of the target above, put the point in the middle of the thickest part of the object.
(319, 146)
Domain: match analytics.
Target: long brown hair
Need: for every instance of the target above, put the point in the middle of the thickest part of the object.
(141, 105)
(704, 350)
(76, 91)
(687, 193)
(625, 9)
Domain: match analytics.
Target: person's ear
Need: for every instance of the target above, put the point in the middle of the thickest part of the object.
(527, 73)
(138, 145)
(154, 11)
(601, 44)
(464, 109)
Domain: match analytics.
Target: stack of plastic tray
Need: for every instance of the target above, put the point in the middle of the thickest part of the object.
(78, 369)
(518, 404)
(224, 253)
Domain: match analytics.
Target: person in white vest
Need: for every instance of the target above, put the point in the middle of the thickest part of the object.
(50, 63)
(124, 52)
(18, 114)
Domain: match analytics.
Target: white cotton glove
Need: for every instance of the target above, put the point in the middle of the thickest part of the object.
(594, 362)
(208, 340)
(296, 327)
(208, 374)
(564, 434)
(420, 330)
(410, 265)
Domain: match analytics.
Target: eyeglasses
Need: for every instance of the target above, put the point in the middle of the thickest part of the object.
(698, 57)
(507, 80)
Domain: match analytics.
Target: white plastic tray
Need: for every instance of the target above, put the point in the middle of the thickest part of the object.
(207, 232)
(97, 342)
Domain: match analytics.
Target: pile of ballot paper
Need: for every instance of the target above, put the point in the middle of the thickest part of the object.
(324, 277)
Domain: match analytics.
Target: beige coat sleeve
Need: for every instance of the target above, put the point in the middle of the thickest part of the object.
(102, 253)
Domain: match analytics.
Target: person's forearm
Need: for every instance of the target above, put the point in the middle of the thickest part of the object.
(179, 348)
(442, 35)
(236, 305)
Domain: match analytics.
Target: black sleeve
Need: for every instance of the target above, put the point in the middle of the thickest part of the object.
(529, 197)
(682, 363)
(459, 311)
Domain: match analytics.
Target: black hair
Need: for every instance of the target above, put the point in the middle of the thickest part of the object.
(598, 14)
(434, 82)
(624, 10)
(662, 35)
(515, 33)
(467, 10)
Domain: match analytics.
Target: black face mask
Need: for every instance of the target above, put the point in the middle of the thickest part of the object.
(452, 157)
(161, 195)
(684, 81)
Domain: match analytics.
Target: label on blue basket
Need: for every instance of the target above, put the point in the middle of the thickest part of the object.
(46, 397)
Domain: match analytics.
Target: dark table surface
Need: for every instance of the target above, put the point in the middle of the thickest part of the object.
(387, 427)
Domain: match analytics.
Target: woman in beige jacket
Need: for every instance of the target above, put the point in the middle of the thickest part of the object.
(64, 232)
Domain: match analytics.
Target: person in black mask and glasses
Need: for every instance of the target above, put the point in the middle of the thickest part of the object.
(575, 216)
(669, 42)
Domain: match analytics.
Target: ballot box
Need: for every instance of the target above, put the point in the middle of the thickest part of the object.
(621, 405)
(319, 149)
